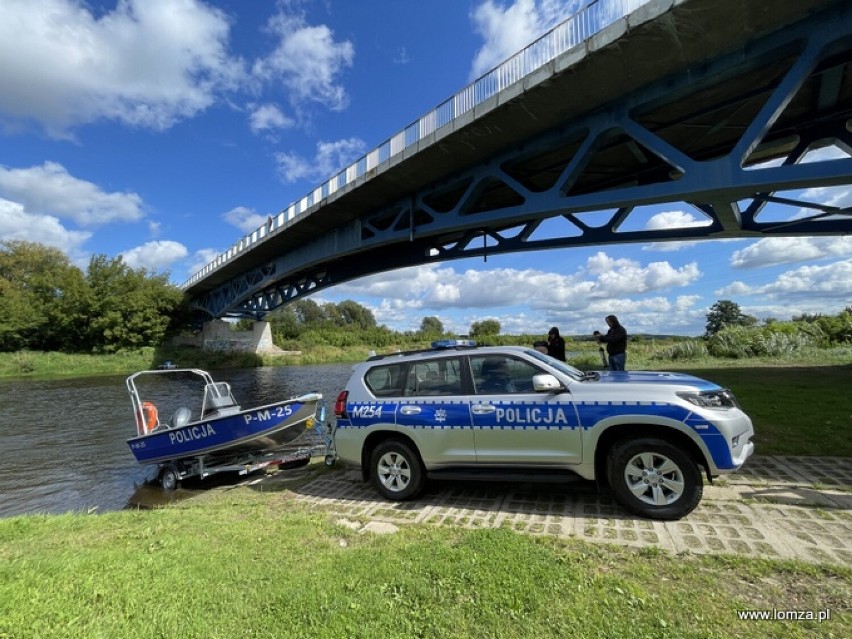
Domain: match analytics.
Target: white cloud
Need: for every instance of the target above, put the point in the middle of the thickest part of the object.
(50, 189)
(202, 258)
(307, 60)
(506, 29)
(628, 277)
(831, 280)
(155, 256)
(330, 158)
(675, 220)
(809, 288)
(147, 63)
(787, 250)
(734, 289)
(245, 219)
(17, 224)
(583, 297)
(264, 117)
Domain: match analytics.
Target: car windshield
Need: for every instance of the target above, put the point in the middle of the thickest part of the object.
(562, 367)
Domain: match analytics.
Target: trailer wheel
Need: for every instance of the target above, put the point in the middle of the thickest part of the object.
(169, 477)
(329, 460)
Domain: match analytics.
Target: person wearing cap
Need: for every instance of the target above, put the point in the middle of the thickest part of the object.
(555, 345)
(616, 343)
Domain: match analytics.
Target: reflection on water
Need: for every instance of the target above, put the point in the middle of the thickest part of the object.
(63, 442)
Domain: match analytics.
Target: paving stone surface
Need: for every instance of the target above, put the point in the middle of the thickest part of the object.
(780, 507)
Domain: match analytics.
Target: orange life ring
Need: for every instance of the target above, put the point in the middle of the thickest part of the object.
(147, 418)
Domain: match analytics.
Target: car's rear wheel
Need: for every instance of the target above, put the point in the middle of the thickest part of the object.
(396, 470)
(653, 478)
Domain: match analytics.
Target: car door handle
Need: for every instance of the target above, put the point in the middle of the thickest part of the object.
(482, 409)
(410, 410)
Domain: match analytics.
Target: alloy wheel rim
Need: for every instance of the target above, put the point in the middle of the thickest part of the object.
(654, 479)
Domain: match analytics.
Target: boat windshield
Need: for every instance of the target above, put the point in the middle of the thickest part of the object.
(217, 396)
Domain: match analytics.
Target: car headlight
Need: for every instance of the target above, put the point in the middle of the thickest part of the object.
(710, 399)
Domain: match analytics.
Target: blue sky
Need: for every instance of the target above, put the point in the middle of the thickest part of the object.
(164, 130)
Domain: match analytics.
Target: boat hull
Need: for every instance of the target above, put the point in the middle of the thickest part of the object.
(262, 429)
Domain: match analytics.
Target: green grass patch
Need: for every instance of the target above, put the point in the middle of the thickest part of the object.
(796, 410)
(241, 563)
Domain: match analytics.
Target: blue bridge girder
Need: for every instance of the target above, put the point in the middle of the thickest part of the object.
(726, 134)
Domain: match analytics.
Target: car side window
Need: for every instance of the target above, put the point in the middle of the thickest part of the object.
(434, 377)
(386, 380)
(502, 374)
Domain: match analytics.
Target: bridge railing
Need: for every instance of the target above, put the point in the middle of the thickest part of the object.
(589, 20)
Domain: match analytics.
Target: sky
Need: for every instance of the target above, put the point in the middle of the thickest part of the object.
(162, 131)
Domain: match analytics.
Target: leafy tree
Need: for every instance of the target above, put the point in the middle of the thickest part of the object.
(39, 283)
(431, 326)
(308, 312)
(243, 324)
(285, 324)
(18, 318)
(353, 314)
(130, 308)
(726, 313)
(485, 327)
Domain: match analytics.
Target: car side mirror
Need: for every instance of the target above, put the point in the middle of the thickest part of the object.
(547, 383)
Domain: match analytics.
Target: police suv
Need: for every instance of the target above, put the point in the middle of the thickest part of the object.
(512, 413)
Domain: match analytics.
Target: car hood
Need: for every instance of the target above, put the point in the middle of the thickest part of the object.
(655, 378)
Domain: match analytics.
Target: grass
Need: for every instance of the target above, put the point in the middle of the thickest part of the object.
(54, 365)
(242, 563)
(800, 410)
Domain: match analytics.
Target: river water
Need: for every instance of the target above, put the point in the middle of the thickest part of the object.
(63, 442)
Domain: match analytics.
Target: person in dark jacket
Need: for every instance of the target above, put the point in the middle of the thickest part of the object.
(616, 343)
(555, 345)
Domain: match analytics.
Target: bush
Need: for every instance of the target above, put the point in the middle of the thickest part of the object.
(586, 361)
(775, 340)
(686, 350)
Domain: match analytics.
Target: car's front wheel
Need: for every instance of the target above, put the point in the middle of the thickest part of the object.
(653, 478)
(396, 470)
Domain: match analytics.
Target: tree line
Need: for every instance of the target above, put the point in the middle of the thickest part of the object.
(49, 304)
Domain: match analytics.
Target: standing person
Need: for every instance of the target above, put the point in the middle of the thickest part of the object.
(555, 345)
(616, 343)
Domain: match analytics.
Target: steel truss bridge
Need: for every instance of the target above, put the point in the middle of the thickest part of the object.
(724, 107)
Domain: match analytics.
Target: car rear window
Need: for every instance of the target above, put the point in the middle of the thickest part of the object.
(385, 380)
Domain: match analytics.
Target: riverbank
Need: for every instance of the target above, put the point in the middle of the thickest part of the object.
(648, 355)
(53, 365)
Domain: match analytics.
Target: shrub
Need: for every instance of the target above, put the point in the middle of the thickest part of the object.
(686, 350)
(777, 339)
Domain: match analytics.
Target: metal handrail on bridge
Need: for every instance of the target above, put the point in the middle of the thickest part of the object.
(589, 20)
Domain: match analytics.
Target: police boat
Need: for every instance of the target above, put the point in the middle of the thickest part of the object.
(217, 434)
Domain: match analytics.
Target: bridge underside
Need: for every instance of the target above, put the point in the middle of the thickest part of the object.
(723, 140)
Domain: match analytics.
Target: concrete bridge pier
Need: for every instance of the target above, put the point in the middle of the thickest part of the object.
(218, 335)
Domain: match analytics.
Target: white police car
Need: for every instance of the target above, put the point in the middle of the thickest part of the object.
(503, 413)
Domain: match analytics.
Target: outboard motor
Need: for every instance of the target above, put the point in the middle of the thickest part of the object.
(181, 417)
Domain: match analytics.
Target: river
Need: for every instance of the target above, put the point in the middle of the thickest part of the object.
(63, 443)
